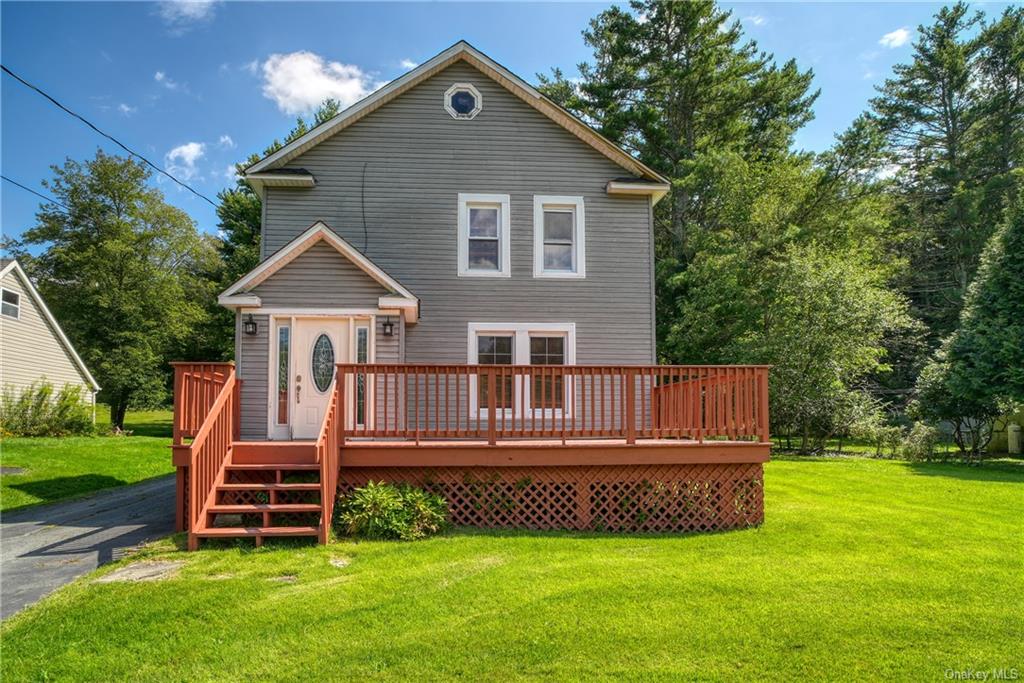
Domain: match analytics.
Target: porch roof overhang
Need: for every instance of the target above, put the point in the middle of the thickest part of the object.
(398, 299)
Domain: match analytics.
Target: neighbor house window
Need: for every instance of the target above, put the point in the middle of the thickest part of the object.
(522, 344)
(11, 305)
(559, 249)
(484, 235)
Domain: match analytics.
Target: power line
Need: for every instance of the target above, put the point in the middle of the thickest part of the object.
(106, 135)
(41, 196)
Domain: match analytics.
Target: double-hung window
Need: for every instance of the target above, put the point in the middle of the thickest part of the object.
(496, 349)
(484, 235)
(540, 344)
(559, 248)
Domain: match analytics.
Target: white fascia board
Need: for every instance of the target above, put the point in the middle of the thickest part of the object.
(655, 190)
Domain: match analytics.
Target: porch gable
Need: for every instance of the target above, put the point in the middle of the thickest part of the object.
(319, 269)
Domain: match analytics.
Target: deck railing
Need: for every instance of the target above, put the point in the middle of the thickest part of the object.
(206, 410)
(328, 454)
(555, 401)
(196, 386)
(209, 452)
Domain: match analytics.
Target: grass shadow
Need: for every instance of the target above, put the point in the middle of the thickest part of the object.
(59, 488)
(162, 430)
(1003, 469)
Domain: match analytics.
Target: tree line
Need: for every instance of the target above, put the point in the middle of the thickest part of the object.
(880, 278)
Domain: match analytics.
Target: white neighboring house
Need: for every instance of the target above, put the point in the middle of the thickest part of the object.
(33, 348)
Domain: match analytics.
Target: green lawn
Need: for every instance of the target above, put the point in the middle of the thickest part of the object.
(61, 468)
(863, 569)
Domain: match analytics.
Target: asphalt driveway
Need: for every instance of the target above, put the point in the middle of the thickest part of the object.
(46, 546)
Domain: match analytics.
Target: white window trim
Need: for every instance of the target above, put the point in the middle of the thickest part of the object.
(578, 242)
(16, 316)
(451, 110)
(466, 200)
(521, 333)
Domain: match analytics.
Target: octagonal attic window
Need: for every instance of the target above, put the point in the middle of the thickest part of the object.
(463, 101)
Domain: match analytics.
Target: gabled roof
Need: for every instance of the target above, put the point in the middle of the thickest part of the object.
(398, 297)
(461, 51)
(10, 265)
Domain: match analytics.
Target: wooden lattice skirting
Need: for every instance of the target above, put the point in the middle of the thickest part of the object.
(627, 498)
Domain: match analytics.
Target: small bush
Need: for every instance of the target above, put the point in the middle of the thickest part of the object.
(920, 442)
(389, 511)
(37, 412)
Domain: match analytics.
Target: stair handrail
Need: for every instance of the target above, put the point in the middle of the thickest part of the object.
(328, 453)
(209, 453)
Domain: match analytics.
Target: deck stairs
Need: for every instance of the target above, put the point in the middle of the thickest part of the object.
(270, 489)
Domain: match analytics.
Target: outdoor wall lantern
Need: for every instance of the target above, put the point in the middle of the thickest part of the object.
(250, 325)
(388, 327)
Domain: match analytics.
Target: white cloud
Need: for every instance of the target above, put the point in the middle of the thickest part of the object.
(409, 64)
(755, 19)
(230, 173)
(299, 81)
(181, 161)
(181, 16)
(162, 78)
(126, 109)
(252, 67)
(226, 142)
(896, 38)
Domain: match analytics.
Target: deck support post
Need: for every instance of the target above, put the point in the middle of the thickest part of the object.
(180, 484)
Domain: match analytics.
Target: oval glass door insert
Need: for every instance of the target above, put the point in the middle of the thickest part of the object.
(323, 363)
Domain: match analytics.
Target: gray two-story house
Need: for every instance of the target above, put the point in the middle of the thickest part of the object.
(455, 216)
(457, 291)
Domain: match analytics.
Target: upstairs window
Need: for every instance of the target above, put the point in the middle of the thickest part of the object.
(11, 304)
(558, 237)
(463, 101)
(484, 235)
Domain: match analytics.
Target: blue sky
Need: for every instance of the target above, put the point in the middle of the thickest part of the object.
(198, 86)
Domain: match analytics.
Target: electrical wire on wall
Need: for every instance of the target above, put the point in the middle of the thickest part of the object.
(362, 206)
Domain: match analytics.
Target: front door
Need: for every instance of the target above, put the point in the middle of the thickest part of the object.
(319, 344)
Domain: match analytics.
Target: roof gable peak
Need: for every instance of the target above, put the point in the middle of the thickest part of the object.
(460, 51)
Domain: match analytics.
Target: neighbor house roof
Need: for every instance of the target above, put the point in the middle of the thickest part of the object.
(267, 170)
(7, 266)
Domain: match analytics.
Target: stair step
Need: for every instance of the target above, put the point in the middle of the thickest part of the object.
(275, 466)
(269, 487)
(241, 532)
(264, 507)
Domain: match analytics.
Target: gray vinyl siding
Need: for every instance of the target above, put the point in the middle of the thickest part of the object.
(320, 277)
(416, 159)
(388, 349)
(31, 350)
(252, 354)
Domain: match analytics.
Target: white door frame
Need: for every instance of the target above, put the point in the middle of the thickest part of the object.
(276, 432)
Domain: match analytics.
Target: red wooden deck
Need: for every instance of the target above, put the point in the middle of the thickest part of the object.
(660, 448)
